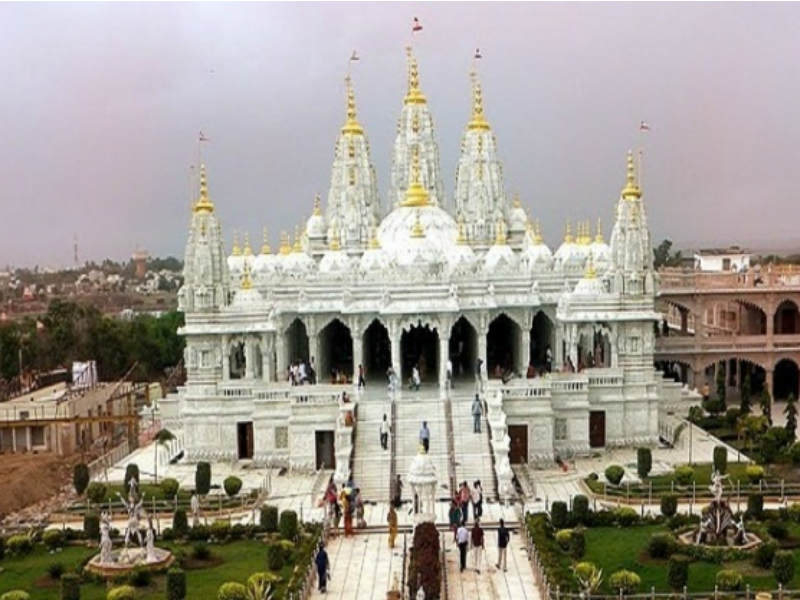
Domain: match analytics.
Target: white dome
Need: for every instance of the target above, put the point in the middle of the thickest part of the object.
(374, 260)
(315, 226)
(601, 254)
(246, 299)
(589, 286)
(438, 228)
(461, 257)
(536, 256)
(264, 265)
(518, 220)
(334, 261)
(297, 262)
(571, 255)
(236, 263)
(500, 257)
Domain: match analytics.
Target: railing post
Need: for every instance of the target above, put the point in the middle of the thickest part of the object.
(747, 592)
(716, 592)
(780, 591)
(653, 592)
(650, 492)
(684, 593)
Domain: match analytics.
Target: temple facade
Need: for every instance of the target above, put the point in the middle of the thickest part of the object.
(566, 338)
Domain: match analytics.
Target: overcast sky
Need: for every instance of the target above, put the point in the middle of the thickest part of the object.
(101, 105)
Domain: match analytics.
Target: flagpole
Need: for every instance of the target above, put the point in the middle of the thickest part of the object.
(191, 187)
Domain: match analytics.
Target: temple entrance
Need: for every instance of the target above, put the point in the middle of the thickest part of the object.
(420, 346)
(541, 339)
(463, 349)
(597, 428)
(787, 318)
(377, 350)
(323, 444)
(336, 353)
(786, 379)
(518, 450)
(296, 342)
(244, 439)
(502, 347)
(238, 362)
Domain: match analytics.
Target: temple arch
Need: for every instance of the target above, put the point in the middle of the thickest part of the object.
(377, 349)
(296, 342)
(463, 350)
(336, 352)
(238, 360)
(542, 332)
(787, 318)
(786, 379)
(419, 345)
(502, 346)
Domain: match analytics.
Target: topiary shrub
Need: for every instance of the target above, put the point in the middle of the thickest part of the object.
(180, 524)
(783, 566)
(577, 544)
(678, 571)
(274, 557)
(220, 530)
(425, 567)
(732, 416)
(778, 529)
(661, 545)
(198, 533)
(131, 472)
(16, 595)
(263, 578)
(123, 592)
(558, 514)
(176, 584)
(96, 492)
(140, 577)
(755, 505)
(53, 538)
(755, 473)
(669, 505)
(70, 587)
(684, 475)
(644, 462)
(729, 580)
(80, 478)
(232, 591)
(721, 458)
(201, 551)
(232, 485)
(202, 478)
(55, 570)
(794, 453)
(614, 474)
(626, 581)
(269, 518)
(580, 508)
(288, 525)
(91, 525)
(170, 487)
(625, 516)
(764, 554)
(562, 538)
(19, 544)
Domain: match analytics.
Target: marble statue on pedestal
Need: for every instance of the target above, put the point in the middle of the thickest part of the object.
(150, 539)
(134, 511)
(106, 544)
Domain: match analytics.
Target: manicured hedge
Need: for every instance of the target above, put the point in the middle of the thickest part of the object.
(202, 478)
(669, 504)
(614, 474)
(288, 525)
(80, 478)
(558, 514)
(644, 462)
(70, 587)
(678, 571)
(424, 568)
(269, 518)
(721, 458)
(580, 508)
(176, 584)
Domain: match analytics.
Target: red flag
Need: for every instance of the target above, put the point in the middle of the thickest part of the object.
(643, 126)
(478, 53)
(203, 138)
(354, 56)
(417, 26)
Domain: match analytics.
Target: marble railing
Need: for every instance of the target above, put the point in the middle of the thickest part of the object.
(500, 443)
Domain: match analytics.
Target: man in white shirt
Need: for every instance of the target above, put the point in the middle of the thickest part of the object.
(462, 539)
(385, 433)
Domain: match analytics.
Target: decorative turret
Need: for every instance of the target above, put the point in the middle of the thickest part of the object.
(315, 230)
(353, 202)
(415, 135)
(205, 271)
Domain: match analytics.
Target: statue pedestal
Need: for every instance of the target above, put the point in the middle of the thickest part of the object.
(125, 560)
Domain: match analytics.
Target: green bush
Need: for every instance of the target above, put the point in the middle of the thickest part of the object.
(263, 578)
(775, 441)
(625, 516)
(232, 591)
(729, 580)
(80, 478)
(200, 551)
(678, 571)
(558, 514)
(170, 487)
(794, 453)
(755, 505)
(269, 518)
(783, 566)
(131, 472)
(644, 462)
(577, 544)
(232, 485)
(732, 416)
(778, 530)
(684, 475)
(180, 524)
(140, 577)
(764, 554)
(96, 492)
(53, 538)
(16, 595)
(669, 505)
(721, 458)
(2, 547)
(91, 525)
(755, 473)
(661, 545)
(627, 581)
(55, 570)
(614, 474)
(176, 584)
(274, 557)
(562, 538)
(794, 512)
(202, 478)
(70, 587)
(580, 508)
(288, 525)
(19, 544)
(220, 530)
(198, 533)
(123, 592)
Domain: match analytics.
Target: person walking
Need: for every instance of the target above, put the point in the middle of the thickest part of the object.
(548, 360)
(462, 539)
(361, 523)
(425, 436)
(384, 433)
(361, 381)
(415, 378)
(477, 499)
(476, 536)
(391, 518)
(503, 537)
(322, 568)
(477, 410)
(464, 497)
(454, 516)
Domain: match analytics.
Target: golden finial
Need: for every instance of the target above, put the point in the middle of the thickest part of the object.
(590, 272)
(265, 249)
(374, 244)
(334, 243)
(416, 194)
(586, 234)
(246, 281)
(567, 234)
(478, 120)
(631, 189)
(417, 231)
(351, 125)
(516, 202)
(298, 246)
(248, 250)
(538, 239)
(285, 248)
(203, 203)
(599, 237)
(461, 239)
(236, 251)
(317, 206)
(500, 237)
(414, 94)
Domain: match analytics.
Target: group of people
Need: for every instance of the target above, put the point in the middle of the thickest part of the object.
(300, 372)
(346, 503)
(465, 538)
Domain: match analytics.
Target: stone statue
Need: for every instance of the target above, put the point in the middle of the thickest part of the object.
(420, 594)
(194, 504)
(716, 485)
(150, 540)
(740, 537)
(134, 511)
(105, 539)
(133, 490)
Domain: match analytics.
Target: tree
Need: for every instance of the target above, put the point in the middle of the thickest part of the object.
(80, 478)
(721, 388)
(662, 256)
(791, 415)
(745, 392)
(751, 427)
(766, 405)
(162, 438)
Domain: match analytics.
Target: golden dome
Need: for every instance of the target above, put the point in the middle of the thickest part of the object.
(236, 251)
(590, 272)
(351, 125)
(631, 189)
(285, 247)
(461, 239)
(203, 203)
(414, 94)
(599, 237)
(416, 194)
(317, 207)
(265, 249)
(500, 239)
(334, 244)
(567, 234)
(248, 250)
(297, 247)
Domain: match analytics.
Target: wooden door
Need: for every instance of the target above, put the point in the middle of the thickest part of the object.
(518, 451)
(326, 458)
(244, 438)
(597, 429)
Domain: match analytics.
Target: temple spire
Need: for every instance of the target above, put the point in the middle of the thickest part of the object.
(416, 194)
(351, 125)
(236, 251)
(265, 249)
(414, 94)
(631, 189)
(478, 120)
(204, 203)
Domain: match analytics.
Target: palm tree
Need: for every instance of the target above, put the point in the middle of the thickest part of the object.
(162, 438)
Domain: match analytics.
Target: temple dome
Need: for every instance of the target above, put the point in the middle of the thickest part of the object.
(374, 258)
(536, 256)
(396, 234)
(517, 219)
(601, 254)
(246, 299)
(334, 261)
(461, 257)
(500, 257)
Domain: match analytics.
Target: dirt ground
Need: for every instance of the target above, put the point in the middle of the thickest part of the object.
(31, 478)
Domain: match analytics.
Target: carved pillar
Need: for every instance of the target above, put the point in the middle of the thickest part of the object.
(358, 353)
(249, 359)
(226, 359)
(444, 353)
(280, 353)
(267, 364)
(395, 332)
(525, 353)
(558, 350)
(313, 352)
(769, 381)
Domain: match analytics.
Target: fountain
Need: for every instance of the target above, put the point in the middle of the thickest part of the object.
(717, 524)
(110, 562)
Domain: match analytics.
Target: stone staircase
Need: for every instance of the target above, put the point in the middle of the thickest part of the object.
(472, 451)
(371, 463)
